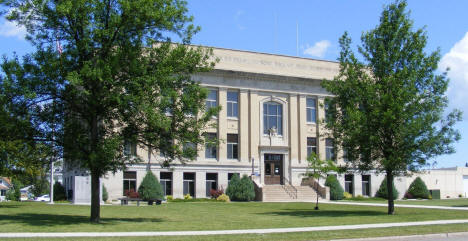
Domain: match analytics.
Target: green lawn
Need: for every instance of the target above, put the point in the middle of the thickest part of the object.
(40, 217)
(322, 235)
(457, 202)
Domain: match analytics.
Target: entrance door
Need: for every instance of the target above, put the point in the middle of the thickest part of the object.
(273, 169)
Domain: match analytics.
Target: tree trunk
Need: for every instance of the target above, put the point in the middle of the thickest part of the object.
(95, 202)
(391, 206)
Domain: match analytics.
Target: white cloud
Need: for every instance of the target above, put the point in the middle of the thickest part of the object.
(10, 29)
(238, 19)
(318, 50)
(457, 60)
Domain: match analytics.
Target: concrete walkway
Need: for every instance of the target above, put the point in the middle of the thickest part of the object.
(462, 236)
(222, 232)
(396, 205)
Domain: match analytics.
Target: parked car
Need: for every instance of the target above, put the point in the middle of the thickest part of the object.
(43, 198)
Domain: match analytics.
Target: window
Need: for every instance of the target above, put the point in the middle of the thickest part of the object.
(166, 183)
(211, 183)
(210, 146)
(232, 146)
(189, 184)
(311, 110)
(272, 117)
(349, 184)
(232, 103)
(311, 145)
(129, 183)
(329, 149)
(365, 185)
(327, 110)
(130, 148)
(212, 99)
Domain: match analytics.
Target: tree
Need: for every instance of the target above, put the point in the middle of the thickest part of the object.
(150, 188)
(418, 189)
(110, 73)
(318, 168)
(388, 106)
(384, 193)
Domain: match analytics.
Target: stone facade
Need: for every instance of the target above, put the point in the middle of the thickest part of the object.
(255, 81)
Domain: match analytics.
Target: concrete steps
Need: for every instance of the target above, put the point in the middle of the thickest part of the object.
(277, 193)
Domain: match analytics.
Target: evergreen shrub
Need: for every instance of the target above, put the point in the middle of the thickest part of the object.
(105, 194)
(336, 191)
(59, 192)
(382, 192)
(241, 189)
(150, 188)
(418, 189)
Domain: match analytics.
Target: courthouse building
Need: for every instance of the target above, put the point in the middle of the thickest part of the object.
(272, 106)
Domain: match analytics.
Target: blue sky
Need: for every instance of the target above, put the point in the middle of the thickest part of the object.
(270, 26)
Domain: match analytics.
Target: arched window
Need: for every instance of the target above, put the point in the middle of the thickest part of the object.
(272, 117)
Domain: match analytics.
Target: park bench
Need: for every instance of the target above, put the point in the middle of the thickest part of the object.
(125, 200)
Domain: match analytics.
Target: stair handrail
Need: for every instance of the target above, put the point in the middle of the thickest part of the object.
(321, 190)
(289, 188)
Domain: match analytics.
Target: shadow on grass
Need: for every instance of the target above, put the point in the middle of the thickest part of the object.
(461, 206)
(324, 213)
(58, 220)
(9, 206)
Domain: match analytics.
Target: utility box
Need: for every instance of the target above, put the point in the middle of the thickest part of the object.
(435, 193)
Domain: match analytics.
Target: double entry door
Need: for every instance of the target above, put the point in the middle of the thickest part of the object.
(273, 169)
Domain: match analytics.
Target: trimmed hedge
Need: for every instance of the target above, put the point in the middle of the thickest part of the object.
(418, 189)
(382, 192)
(336, 191)
(150, 188)
(241, 189)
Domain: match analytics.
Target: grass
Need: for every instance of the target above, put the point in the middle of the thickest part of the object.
(456, 202)
(41, 217)
(322, 235)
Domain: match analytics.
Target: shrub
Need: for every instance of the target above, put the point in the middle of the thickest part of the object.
(59, 192)
(382, 192)
(169, 198)
(347, 195)
(216, 193)
(150, 188)
(418, 189)
(105, 194)
(459, 195)
(187, 197)
(336, 191)
(223, 198)
(408, 195)
(241, 189)
(131, 193)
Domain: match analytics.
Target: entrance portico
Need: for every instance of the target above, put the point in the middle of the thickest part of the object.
(274, 165)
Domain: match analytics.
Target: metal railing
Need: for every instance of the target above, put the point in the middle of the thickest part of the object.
(289, 188)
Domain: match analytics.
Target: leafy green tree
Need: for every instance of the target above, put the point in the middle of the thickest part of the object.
(336, 191)
(115, 77)
(388, 106)
(150, 188)
(318, 168)
(59, 192)
(418, 189)
(384, 193)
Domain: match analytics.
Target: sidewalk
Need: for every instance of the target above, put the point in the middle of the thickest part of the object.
(396, 205)
(222, 232)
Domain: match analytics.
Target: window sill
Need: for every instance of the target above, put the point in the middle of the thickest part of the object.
(232, 118)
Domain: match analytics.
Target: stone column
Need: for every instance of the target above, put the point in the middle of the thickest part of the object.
(293, 132)
(243, 125)
(222, 180)
(222, 125)
(178, 184)
(200, 184)
(254, 125)
(357, 184)
(320, 127)
(302, 134)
